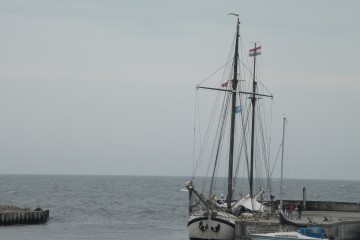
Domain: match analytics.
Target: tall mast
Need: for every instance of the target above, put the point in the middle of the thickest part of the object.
(233, 106)
(282, 160)
(253, 101)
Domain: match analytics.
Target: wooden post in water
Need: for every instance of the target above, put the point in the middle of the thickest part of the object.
(22, 217)
(304, 198)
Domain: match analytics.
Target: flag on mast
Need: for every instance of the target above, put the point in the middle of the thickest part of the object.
(224, 84)
(255, 51)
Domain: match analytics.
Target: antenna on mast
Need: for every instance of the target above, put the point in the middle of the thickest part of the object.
(234, 14)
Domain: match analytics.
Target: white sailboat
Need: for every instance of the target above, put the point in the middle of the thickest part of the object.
(283, 236)
(208, 217)
(302, 233)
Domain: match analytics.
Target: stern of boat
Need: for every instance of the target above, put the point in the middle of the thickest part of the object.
(214, 227)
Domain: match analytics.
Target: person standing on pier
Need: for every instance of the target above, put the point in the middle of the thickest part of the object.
(300, 209)
(291, 209)
(287, 210)
(283, 205)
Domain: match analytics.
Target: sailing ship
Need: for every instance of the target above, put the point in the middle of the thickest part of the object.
(210, 218)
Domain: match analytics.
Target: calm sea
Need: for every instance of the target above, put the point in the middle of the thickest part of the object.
(125, 207)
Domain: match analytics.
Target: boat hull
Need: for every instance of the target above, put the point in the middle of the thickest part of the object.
(279, 237)
(215, 228)
(282, 236)
(285, 221)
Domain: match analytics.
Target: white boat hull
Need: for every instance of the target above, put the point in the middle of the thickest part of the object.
(281, 236)
(216, 228)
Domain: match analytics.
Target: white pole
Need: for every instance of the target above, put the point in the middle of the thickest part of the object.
(282, 160)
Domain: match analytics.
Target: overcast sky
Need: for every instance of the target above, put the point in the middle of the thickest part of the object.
(108, 87)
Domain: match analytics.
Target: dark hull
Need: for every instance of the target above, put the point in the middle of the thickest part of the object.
(285, 221)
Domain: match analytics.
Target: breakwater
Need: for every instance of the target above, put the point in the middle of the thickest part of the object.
(10, 215)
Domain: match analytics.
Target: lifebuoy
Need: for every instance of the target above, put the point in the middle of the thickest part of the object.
(216, 229)
(202, 227)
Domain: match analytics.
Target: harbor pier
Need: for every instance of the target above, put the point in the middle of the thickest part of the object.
(339, 219)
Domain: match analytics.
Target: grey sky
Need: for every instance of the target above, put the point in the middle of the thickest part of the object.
(108, 87)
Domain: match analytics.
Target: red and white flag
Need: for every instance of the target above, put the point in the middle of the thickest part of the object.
(255, 51)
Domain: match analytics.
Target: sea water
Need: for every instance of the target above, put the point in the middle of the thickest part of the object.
(125, 207)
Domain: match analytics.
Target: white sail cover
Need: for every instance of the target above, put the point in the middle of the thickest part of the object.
(250, 203)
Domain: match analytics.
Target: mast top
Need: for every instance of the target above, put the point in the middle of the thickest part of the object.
(234, 14)
(237, 16)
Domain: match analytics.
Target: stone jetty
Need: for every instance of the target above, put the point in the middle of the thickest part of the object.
(11, 215)
(339, 219)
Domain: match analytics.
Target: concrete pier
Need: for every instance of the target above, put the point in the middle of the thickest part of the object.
(10, 215)
(341, 220)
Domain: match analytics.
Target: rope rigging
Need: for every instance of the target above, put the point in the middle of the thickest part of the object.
(217, 128)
